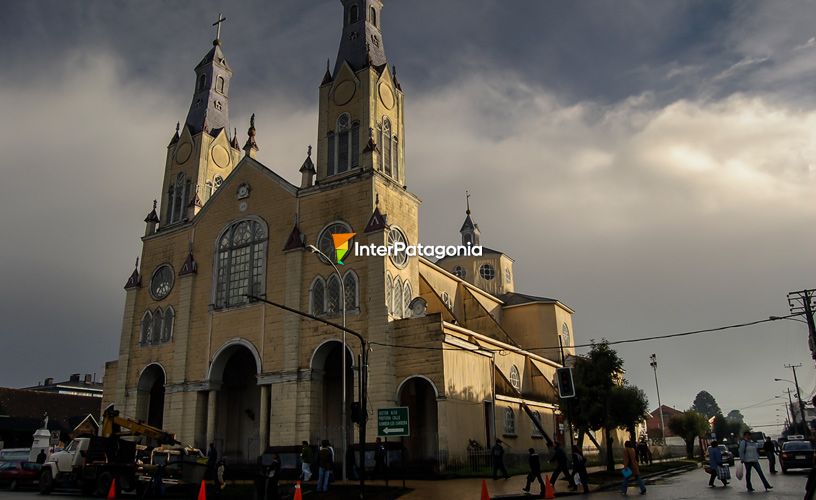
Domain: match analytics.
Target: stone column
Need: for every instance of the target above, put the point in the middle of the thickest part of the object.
(212, 399)
(264, 423)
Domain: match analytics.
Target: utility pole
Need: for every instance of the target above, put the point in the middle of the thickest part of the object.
(653, 363)
(790, 407)
(799, 396)
(804, 302)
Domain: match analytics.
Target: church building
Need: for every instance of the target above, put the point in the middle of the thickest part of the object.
(452, 340)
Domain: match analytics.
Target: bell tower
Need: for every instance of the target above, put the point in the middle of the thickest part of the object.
(361, 121)
(202, 153)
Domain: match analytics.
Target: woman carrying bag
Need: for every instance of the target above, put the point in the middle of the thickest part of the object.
(631, 469)
(716, 468)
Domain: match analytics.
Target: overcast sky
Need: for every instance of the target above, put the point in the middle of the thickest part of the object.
(651, 164)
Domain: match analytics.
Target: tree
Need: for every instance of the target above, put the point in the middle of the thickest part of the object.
(736, 416)
(689, 425)
(628, 405)
(705, 404)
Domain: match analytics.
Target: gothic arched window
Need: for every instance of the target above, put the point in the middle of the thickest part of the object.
(241, 263)
(509, 421)
(389, 291)
(350, 285)
(386, 140)
(155, 333)
(354, 14)
(333, 295)
(219, 84)
(407, 295)
(537, 417)
(147, 327)
(565, 334)
(317, 296)
(167, 325)
(396, 299)
(344, 146)
(177, 192)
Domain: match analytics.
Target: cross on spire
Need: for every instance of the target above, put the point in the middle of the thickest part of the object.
(217, 25)
(467, 201)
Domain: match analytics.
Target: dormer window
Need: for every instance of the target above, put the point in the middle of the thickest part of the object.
(354, 14)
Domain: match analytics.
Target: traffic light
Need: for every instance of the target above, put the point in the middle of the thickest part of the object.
(566, 389)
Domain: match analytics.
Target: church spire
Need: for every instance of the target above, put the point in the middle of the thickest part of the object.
(210, 105)
(362, 43)
(469, 231)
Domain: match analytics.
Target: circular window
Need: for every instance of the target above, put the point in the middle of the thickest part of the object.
(459, 272)
(487, 271)
(396, 237)
(515, 379)
(325, 242)
(162, 282)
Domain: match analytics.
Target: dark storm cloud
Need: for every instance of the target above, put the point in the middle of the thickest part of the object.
(650, 163)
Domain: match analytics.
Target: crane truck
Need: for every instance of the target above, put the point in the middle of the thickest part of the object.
(92, 463)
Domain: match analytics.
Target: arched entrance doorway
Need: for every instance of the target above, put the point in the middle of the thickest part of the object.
(419, 395)
(150, 396)
(237, 410)
(327, 389)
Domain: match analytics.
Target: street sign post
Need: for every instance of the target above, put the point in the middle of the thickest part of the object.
(393, 422)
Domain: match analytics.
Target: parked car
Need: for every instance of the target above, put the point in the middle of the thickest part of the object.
(14, 454)
(19, 473)
(796, 455)
(727, 456)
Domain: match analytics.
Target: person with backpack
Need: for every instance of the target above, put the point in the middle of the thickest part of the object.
(749, 456)
(325, 460)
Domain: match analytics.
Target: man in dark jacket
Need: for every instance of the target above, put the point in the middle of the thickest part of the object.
(579, 467)
(770, 452)
(561, 466)
(497, 456)
(535, 471)
(212, 461)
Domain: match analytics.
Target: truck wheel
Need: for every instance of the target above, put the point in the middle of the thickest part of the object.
(46, 482)
(103, 484)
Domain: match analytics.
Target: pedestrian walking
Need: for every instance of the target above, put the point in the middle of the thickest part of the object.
(535, 471)
(325, 461)
(631, 470)
(212, 461)
(770, 452)
(306, 459)
(219, 477)
(497, 458)
(643, 451)
(749, 456)
(272, 477)
(715, 464)
(561, 466)
(579, 469)
(379, 458)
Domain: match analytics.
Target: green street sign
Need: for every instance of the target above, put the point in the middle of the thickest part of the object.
(393, 422)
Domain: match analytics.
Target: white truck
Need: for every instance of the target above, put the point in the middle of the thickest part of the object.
(93, 463)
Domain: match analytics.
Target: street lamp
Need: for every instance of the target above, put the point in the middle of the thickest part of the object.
(653, 363)
(325, 258)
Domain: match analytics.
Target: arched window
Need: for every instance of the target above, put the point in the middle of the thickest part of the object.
(167, 325)
(537, 417)
(344, 146)
(447, 300)
(219, 84)
(407, 295)
(373, 16)
(354, 14)
(178, 196)
(241, 263)
(318, 296)
(333, 296)
(565, 334)
(515, 379)
(202, 82)
(389, 293)
(155, 334)
(509, 421)
(147, 327)
(350, 285)
(396, 300)
(386, 141)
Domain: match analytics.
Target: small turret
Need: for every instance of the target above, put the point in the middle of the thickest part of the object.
(469, 231)
(307, 171)
(152, 221)
(251, 147)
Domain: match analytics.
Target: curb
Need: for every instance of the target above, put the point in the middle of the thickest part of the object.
(680, 468)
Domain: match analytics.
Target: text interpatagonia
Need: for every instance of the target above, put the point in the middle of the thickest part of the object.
(436, 251)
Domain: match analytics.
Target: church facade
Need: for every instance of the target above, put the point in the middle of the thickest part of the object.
(452, 340)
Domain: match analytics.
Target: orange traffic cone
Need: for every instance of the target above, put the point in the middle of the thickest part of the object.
(202, 492)
(298, 496)
(549, 492)
(112, 490)
(485, 494)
